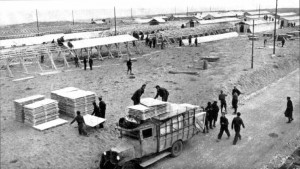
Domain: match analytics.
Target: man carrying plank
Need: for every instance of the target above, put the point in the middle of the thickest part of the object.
(81, 124)
(136, 98)
(162, 92)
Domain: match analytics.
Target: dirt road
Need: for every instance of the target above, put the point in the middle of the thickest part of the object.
(265, 135)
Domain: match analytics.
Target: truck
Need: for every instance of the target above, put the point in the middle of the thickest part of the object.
(153, 139)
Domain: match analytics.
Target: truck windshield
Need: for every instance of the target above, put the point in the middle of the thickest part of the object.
(132, 134)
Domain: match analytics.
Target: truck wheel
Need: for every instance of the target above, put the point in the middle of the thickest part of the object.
(176, 148)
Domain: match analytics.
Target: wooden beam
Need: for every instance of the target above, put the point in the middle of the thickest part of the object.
(38, 63)
(8, 69)
(109, 48)
(51, 59)
(65, 59)
(99, 52)
(22, 63)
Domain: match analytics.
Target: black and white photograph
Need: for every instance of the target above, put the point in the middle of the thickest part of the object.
(159, 84)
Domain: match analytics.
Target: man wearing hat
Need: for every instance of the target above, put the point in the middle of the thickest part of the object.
(236, 124)
(102, 107)
(289, 110)
(162, 92)
(136, 97)
(224, 126)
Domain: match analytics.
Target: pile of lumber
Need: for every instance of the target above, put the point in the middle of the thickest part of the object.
(41, 112)
(147, 109)
(72, 100)
(20, 103)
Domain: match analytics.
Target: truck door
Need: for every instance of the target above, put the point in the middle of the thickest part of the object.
(148, 141)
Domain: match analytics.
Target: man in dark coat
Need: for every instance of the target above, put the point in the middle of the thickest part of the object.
(154, 41)
(283, 41)
(196, 41)
(180, 42)
(147, 40)
(102, 109)
(96, 111)
(208, 118)
(129, 66)
(84, 62)
(224, 126)
(235, 94)
(162, 92)
(222, 98)
(289, 110)
(76, 61)
(150, 43)
(190, 40)
(81, 124)
(215, 112)
(91, 63)
(237, 122)
(136, 97)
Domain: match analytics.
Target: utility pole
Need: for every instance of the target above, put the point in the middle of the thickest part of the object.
(175, 10)
(131, 13)
(252, 46)
(275, 29)
(187, 11)
(73, 16)
(115, 21)
(259, 11)
(37, 21)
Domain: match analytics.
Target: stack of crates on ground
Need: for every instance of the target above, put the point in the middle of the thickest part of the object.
(41, 112)
(72, 100)
(20, 103)
(148, 108)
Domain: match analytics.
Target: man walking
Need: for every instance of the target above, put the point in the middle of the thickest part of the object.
(236, 124)
(136, 97)
(162, 92)
(215, 111)
(235, 94)
(102, 109)
(81, 124)
(76, 61)
(224, 126)
(129, 64)
(84, 62)
(91, 63)
(289, 110)
(283, 41)
(222, 98)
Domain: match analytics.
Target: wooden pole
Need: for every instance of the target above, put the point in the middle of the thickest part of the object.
(115, 21)
(252, 46)
(131, 13)
(275, 29)
(37, 21)
(259, 11)
(73, 16)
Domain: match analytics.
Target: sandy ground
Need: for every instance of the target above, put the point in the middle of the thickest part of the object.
(62, 147)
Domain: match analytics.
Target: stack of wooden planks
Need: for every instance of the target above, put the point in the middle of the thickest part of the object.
(41, 112)
(20, 103)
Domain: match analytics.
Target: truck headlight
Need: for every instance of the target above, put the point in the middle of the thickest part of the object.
(104, 153)
(118, 158)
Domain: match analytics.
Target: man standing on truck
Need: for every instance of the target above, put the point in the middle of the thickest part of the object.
(102, 108)
(162, 92)
(224, 126)
(81, 124)
(223, 101)
(236, 124)
(136, 98)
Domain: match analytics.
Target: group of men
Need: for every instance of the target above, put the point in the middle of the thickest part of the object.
(99, 111)
(212, 111)
(162, 92)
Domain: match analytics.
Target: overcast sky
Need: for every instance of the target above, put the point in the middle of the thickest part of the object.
(12, 12)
